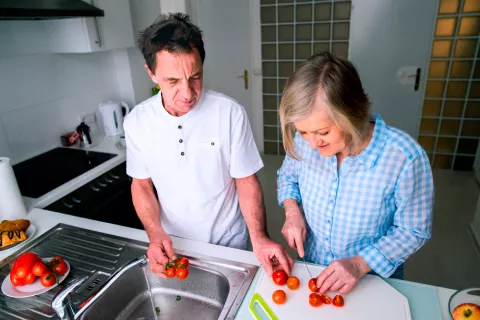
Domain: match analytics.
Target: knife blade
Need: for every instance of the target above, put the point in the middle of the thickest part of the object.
(306, 266)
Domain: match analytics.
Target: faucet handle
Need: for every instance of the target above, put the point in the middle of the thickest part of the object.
(61, 298)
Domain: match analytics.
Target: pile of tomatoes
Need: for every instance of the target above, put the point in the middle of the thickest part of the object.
(29, 266)
(178, 268)
(280, 278)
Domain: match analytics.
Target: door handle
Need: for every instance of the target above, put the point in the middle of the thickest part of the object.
(245, 78)
(417, 79)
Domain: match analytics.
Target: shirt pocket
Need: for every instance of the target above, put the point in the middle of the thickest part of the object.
(211, 167)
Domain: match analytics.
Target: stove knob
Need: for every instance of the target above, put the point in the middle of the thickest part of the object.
(68, 205)
(96, 189)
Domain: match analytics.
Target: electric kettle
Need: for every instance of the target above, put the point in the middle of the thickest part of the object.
(112, 116)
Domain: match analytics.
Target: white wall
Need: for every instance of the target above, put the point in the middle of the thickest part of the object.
(41, 94)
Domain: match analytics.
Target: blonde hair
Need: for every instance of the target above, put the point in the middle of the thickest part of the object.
(334, 80)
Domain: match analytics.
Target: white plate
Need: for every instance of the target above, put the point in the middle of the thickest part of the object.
(30, 290)
(30, 232)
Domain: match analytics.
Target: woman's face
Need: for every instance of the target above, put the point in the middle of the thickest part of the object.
(321, 133)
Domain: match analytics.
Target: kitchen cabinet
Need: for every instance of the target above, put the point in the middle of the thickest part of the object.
(78, 35)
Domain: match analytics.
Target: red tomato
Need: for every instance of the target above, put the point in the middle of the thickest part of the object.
(312, 285)
(48, 279)
(170, 272)
(293, 283)
(338, 301)
(60, 268)
(22, 271)
(30, 278)
(183, 261)
(279, 277)
(315, 300)
(326, 299)
(16, 281)
(56, 260)
(39, 269)
(279, 297)
(181, 273)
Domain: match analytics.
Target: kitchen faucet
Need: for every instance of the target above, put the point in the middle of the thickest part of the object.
(62, 302)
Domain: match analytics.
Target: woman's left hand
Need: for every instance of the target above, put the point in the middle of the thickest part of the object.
(342, 275)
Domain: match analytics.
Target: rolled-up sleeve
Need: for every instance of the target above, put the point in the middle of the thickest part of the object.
(412, 221)
(287, 181)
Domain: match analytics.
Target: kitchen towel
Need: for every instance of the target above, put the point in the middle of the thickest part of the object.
(11, 202)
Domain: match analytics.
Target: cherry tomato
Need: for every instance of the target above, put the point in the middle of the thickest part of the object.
(60, 268)
(16, 281)
(170, 272)
(48, 279)
(27, 259)
(183, 262)
(181, 273)
(30, 278)
(56, 260)
(279, 297)
(326, 299)
(39, 269)
(279, 277)
(312, 285)
(338, 301)
(315, 300)
(293, 283)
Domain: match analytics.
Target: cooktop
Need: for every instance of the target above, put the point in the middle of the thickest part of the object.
(47, 171)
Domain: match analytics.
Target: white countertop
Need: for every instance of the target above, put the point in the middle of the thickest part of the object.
(45, 220)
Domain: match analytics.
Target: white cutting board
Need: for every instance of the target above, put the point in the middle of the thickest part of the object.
(372, 298)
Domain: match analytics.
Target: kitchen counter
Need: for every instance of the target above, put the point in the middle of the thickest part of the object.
(45, 220)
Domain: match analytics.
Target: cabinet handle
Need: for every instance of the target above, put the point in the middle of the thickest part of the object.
(417, 79)
(99, 40)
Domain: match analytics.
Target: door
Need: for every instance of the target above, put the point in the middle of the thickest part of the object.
(228, 36)
(386, 36)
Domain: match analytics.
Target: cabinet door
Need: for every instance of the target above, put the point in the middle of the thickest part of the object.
(78, 35)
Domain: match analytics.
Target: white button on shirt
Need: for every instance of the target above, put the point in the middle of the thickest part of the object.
(192, 161)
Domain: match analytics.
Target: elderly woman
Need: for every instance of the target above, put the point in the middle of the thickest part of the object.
(365, 188)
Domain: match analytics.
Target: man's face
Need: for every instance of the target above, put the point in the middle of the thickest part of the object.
(180, 77)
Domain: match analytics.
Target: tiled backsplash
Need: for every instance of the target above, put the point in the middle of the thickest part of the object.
(291, 32)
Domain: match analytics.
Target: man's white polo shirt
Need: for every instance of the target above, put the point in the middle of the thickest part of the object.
(192, 161)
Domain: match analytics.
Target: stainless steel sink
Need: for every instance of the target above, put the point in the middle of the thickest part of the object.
(214, 288)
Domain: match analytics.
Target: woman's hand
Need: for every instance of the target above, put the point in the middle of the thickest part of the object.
(295, 230)
(342, 275)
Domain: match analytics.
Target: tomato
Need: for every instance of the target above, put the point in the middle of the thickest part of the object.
(30, 278)
(56, 260)
(315, 300)
(326, 299)
(279, 297)
(293, 283)
(16, 281)
(22, 271)
(48, 279)
(39, 269)
(60, 268)
(312, 285)
(279, 277)
(338, 301)
(183, 262)
(170, 272)
(181, 273)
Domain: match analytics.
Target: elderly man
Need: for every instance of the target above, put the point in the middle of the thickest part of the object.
(196, 147)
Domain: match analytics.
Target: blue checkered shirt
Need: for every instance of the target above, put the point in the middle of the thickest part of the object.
(378, 205)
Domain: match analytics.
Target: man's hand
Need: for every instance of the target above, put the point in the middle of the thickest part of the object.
(271, 255)
(342, 275)
(295, 231)
(159, 251)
